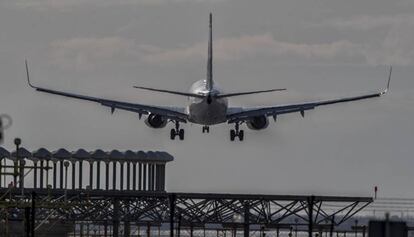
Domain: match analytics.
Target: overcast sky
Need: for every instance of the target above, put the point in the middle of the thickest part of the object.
(315, 48)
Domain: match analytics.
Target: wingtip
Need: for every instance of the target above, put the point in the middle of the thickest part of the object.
(388, 82)
(28, 75)
(278, 89)
(389, 78)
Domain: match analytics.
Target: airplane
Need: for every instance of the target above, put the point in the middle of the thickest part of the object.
(208, 105)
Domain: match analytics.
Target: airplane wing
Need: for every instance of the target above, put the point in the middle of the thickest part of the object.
(245, 114)
(172, 113)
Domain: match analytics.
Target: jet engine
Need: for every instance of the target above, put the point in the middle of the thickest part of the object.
(258, 123)
(156, 121)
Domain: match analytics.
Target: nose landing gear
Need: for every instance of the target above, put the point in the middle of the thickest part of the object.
(206, 129)
(177, 132)
(236, 133)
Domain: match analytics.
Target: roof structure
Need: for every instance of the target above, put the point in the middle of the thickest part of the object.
(95, 155)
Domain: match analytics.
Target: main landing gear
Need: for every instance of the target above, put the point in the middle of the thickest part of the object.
(177, 132)
(206, 129)
(236, 133)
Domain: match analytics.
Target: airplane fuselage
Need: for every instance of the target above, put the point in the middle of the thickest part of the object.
(209, 110)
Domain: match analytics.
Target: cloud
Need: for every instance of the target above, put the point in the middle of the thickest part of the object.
(248, 46)
(395, 48)
(87, 53)
(368, 22)
(82, 53)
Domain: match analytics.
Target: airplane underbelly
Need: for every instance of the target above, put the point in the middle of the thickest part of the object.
(208, 114)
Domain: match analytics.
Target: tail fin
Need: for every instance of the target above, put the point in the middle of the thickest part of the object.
(209, 80)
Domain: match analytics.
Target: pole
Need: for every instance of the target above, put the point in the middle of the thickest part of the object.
(179, 226)
(246, 219)
(134, 176)
(128, 175)
(54, 174)
(115, 219)
(66, 163)
(332, 226)
(106, 175)
(148, 229)
(114, 175)
(80, 174)
(32, 225)
(172, 213)
(35, 174)
(21, 174)
(356, 228)
(98, 174)
(73, 174)
(17, 142)
(91, 174)
(27, 221)
(121, 178)
(363, 230)
(311, 201)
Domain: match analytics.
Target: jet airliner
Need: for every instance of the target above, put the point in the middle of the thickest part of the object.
(208, 105)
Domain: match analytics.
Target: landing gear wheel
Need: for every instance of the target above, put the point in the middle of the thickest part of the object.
(181, 134)
(241, 135)
(177, 132)
(232, 135)
(172, 134)
(236, 133)
(206, 129)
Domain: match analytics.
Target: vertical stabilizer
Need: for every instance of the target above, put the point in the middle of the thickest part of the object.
(209, 80)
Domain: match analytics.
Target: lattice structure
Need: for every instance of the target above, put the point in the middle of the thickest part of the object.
(44, 189)
(131, 209)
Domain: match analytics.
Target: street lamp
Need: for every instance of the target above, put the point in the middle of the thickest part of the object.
(17, 142)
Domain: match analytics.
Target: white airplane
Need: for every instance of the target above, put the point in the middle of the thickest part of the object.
(208, 105)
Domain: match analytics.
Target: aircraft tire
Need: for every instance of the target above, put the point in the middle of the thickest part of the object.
(181, 134)
(241, 135)
(232, 135)
(172, 134)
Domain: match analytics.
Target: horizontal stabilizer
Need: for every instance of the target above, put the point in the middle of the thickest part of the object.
(171, 92)
(247, 93)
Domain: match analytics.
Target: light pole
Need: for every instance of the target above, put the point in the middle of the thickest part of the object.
(17, 142)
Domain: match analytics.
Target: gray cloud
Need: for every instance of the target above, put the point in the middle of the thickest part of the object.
(369, 22)
(82, 53)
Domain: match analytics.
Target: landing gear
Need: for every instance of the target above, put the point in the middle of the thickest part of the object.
(177, 132)
(206, 129)
(236, 133)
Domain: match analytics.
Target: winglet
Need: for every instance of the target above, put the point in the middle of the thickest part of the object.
(28, 76)
(388, 83)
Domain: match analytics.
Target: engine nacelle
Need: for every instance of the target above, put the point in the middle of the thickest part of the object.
(156, 121)
(258, 123)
